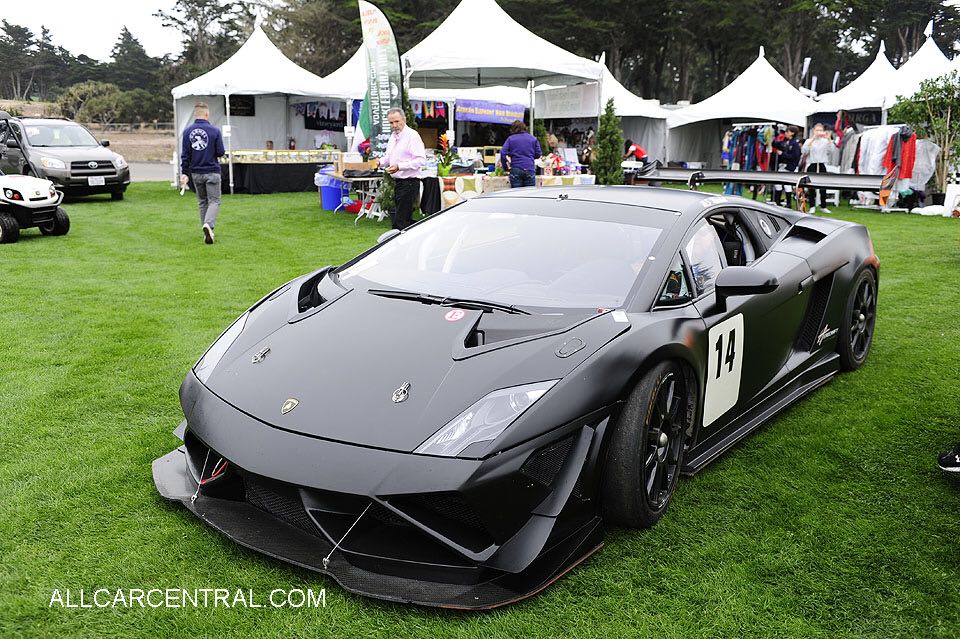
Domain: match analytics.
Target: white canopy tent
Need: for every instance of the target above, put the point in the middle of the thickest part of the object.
(927, 63)
(259, 69)
(350, 82)
(643, 121)
(446, 58)
(758, 94)
(868, 91)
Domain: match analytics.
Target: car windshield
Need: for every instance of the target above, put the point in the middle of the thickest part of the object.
(523, 260)
(59, 134)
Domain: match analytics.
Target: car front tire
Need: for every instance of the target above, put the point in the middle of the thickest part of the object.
(9, 229)
(858, 322)
(645, 452)
(60, 225)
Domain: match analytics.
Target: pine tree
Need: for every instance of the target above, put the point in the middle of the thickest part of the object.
(540, 132)
(609, 151)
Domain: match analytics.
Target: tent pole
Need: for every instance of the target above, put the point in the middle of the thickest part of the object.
(530, 89)
(600, 105)
(286, 118)
(176, 153)
(226, 96)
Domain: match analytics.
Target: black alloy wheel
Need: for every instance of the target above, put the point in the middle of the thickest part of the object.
(645, 452)
(857, 327)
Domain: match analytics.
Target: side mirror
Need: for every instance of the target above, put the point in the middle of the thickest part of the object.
(392, 233)
(12, 143)
(104, 142)
(744, 280)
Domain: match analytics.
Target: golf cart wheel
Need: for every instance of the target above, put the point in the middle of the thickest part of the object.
(9, 229)
(646, 448)
(116, 195)
(60, 224)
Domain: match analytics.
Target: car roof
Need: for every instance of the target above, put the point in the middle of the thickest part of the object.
(678, 203)
(46, 121)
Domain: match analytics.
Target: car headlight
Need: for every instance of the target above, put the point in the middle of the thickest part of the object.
(485, 420)
(215, 353)
(52, 163)
(10, 194)
(53, 191)
(120, 162)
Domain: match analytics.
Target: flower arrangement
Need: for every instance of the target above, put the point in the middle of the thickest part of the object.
(446, 157)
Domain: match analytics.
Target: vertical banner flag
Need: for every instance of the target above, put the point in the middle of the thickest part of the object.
(384, 79)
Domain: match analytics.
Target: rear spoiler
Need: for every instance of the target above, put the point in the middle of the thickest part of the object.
(695, 177)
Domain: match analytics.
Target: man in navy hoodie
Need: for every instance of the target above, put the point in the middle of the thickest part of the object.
(201, 146)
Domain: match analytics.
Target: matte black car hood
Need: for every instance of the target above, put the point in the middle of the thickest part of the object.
(344, 363)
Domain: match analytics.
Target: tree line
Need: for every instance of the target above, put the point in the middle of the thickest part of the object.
(671, 50)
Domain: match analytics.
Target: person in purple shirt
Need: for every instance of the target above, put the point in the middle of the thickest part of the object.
(202, 144)
(519, 154)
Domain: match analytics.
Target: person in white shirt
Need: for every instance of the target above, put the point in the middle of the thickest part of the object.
(817, 152)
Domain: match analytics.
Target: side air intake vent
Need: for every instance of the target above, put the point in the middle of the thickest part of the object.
(815, 312)
(802, 232)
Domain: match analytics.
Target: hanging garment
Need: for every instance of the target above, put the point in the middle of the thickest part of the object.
(901, 153)
(925, 165)
(848, 150)
(873, 147)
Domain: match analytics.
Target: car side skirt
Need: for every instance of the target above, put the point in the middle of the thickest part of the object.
(803, 383)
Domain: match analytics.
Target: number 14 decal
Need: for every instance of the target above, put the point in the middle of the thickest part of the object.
(724, 368)
(731, 352)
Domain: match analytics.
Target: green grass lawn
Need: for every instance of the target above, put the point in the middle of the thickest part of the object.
(833, 520)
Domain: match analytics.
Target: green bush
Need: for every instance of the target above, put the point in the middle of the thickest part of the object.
(609, 150)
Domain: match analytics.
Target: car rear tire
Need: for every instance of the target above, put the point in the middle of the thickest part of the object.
(60, 225)
(858, 322)
(9, 229)
(645, 452)
(116, 195)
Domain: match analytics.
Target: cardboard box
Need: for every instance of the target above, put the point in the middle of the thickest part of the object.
(342, 166)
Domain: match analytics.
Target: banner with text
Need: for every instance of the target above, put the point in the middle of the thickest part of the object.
(490, 112)
(384, 79)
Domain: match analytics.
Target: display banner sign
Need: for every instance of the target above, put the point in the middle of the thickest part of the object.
(490, 112)
(384, 79)
(577, 101)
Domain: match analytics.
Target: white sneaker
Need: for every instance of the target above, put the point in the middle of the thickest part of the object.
(812, 210)
(207, 234)
(824, 209)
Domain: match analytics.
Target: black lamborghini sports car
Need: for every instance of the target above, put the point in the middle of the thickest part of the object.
(449, 418)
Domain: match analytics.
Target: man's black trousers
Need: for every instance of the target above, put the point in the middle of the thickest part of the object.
(406, 194)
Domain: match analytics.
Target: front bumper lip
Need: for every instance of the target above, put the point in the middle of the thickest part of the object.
(259, 531)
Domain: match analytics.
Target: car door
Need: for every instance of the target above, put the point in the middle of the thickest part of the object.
(13, 162)
(750, 337)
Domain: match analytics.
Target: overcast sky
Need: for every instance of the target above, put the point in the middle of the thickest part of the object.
(91, 27)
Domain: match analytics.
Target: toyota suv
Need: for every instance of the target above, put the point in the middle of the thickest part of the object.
(65, 153)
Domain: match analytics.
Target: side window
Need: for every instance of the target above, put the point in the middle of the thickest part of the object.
(677, 289)
(703, 253)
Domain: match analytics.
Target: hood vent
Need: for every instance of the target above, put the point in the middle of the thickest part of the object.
(309, 294)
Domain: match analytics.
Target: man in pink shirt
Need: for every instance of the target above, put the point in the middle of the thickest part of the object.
(402, 159)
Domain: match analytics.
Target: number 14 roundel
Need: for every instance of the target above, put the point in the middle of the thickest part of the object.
(725, 365)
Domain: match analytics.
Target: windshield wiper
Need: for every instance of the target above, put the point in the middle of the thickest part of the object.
(424, 298)
(482, 305)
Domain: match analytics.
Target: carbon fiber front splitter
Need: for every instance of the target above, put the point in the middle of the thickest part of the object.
(259, 531)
